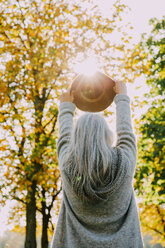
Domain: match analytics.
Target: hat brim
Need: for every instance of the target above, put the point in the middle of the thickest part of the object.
(94, 93)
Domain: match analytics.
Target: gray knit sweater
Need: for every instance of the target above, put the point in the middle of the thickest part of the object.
(109, 223)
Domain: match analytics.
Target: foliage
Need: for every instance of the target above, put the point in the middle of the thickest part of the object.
(39, 43)
(150, 174)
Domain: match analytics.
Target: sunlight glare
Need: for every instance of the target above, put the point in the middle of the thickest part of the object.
(88, 67)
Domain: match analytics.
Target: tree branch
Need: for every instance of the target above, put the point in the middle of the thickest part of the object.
(20, 200)
(54, 116)
(153, 229)
(58, 74)
(53, 198)
(54, 124)
(52, 226)
(23, 43)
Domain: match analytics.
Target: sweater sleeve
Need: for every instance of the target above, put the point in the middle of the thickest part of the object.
(65, 119)
(125, 137)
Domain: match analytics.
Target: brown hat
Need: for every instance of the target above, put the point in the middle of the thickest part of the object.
(93, 93)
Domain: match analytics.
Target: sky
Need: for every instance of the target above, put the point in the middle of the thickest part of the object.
(141, 12)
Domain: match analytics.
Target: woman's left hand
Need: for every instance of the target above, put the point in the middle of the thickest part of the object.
(67, 96)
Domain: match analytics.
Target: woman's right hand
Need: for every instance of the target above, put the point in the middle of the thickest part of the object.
(67, 96)
(120, 88)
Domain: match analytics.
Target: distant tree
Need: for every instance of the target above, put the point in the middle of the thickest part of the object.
(149, 59)
(11, 240)
(39, 41)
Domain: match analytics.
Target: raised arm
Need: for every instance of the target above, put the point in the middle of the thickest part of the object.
(65, 119)
(125, 137)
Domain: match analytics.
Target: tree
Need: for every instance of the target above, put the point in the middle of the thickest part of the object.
(150, 181)
(39, 42)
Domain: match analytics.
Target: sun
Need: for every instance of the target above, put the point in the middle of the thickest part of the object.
(88, 67)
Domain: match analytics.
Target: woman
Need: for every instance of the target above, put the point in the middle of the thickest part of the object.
(98, 208)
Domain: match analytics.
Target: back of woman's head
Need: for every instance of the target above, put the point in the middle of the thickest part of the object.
(89, 153)
(91, 135)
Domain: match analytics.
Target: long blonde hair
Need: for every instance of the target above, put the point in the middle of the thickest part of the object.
(88, 160)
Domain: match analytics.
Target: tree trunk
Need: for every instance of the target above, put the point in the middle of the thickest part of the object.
(30, 240)
(45, 222)
(44, 239)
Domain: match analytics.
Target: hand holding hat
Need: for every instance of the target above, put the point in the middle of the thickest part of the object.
(93, 94)
(67, 96)
(120, 88)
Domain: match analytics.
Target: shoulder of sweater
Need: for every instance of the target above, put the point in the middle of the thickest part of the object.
(121, 97)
